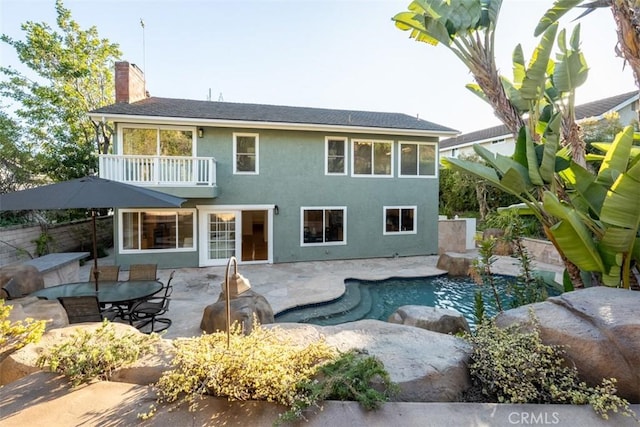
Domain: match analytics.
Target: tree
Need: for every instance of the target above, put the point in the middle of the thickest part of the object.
(626, 14)
(467, 28)
(73, 69)
(15, 160)
(545, 90)
(603, 130)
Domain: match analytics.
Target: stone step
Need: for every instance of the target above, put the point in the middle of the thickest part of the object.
(321, 312)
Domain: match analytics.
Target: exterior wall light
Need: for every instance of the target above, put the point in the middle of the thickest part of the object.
(200, 132)
(276, 210)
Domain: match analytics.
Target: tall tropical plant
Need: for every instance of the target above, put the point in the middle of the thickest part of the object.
(604, 208)
(467, 28)
(626, 14)
(592, 220)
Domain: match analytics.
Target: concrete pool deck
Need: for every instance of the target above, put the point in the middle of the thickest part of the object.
(290, 285)
(42, 399)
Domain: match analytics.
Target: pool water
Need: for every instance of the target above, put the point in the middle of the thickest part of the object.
(379, 299)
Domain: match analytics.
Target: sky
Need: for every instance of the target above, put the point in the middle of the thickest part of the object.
(341, 54)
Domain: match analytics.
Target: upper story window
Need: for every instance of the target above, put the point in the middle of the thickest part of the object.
(399, 220)
(335, 156)
(372, 158)
(245, 153)
(418, 159)
(148, 140)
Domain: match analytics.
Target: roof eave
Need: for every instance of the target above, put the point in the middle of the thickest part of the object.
(477, 141)
(266, 125)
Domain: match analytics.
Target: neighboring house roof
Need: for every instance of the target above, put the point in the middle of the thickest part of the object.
(476, 136)
(228, 112)
(591, 109)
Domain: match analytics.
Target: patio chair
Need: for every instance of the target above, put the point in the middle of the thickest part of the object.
(107, 273)
(85, 309)
(145, 315)
(143, 272)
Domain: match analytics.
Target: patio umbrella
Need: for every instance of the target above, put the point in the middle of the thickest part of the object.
(87, 193)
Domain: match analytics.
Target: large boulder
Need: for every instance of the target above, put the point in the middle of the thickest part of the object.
(599, 328)
(242, 306)
(145, 371)
(454, 265)
(17, 281)
(39, 309)
(427, 366)
(442, 320)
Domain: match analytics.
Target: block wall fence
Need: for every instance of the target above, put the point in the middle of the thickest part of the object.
(17, 242)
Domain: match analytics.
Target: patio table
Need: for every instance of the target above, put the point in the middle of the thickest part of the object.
(120, 292)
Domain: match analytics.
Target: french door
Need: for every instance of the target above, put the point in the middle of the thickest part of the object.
(243, 233)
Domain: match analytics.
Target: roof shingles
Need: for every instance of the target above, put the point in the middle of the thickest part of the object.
(209, 110)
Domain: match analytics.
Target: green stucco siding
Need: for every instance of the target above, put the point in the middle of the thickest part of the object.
(291, 175)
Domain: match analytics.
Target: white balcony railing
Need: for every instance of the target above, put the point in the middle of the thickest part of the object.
(158, 170)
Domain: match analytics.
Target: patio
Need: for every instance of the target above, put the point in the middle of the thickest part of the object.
(284, 285)
(289, 285)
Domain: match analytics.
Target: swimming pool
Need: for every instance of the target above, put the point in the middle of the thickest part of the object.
(365, 299)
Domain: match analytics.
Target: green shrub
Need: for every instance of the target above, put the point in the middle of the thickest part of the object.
(514, 366)
(265, 365)
(42, 243)
(353, 376)
(89, 355)
(15, 335)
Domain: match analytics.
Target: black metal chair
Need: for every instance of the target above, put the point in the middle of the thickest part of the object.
(85, 309)
(146, 315)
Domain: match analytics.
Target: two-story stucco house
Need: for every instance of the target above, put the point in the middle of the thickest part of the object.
(499, 140)
(268, 183)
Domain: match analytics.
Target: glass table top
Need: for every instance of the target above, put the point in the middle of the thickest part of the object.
(107, 293)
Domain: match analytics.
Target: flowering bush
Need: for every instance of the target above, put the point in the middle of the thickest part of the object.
(264, 365)
(15, 335)
(258, 366)
(514, 366)
(89, 355)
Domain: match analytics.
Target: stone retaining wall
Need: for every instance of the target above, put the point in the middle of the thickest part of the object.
(542, 251)
(17, 242)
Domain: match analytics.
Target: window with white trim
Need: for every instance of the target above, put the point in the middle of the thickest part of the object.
(372, 158)
(146, 140)
(400, 220)
(245, 153)
(157, 229)
(418, 159)
(323, 226)
(335, 156)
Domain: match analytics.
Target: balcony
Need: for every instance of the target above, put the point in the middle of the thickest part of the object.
(177, 175)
